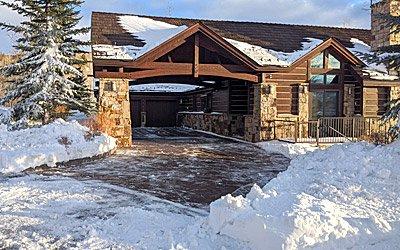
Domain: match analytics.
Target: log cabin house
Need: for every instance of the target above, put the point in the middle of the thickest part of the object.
(246, 76)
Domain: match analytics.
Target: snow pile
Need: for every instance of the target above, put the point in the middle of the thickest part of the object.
(375, 71)
(164, 87)
(346, 196)
(151, 32)
(57, 142)
(290, 150)
(267, 57)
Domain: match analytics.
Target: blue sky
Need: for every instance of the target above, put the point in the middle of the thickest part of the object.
(348, 13)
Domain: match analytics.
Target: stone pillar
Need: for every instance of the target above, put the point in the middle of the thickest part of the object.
(348, 100)
(304, 96)
(259, 126)
(394, 93)
(114, 110)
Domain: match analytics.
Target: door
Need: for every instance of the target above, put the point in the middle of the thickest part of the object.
(161, 113)
(136, 110)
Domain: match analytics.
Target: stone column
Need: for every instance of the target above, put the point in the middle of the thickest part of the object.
(304, 96)
(259, 126)
(114, 110)
(348, 100)
(394, 93)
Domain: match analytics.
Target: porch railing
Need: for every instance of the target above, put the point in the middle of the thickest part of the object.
(331, 130)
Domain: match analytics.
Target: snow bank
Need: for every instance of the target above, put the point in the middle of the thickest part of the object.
(53, 143)
(290, 150)
(346, 196)
(164, 87)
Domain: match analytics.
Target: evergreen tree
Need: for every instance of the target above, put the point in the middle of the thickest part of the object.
(389, 56)
(47, 75)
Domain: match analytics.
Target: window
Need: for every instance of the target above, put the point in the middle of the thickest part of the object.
(333, 62)
(324, 104)
(317, 79)
(323, 79)
(318, 61)
(383, 100)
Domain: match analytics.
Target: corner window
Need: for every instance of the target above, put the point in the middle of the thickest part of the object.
(318, 62)
(332, 79)
(333, 62)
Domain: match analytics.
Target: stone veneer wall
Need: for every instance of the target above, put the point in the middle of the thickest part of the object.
(215, 123)
(114, 110)
(380, 32)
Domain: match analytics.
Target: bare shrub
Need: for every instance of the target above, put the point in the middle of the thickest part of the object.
(64, 141)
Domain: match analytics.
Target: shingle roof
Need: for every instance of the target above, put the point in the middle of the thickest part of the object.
(279, 37)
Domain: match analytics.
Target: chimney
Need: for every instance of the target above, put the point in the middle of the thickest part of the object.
(380, 32)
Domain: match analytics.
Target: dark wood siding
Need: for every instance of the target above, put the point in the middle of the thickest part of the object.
(220, 101)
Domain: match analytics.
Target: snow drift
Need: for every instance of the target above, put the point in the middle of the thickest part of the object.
(346, 196)
(290, 150)
(53, 143)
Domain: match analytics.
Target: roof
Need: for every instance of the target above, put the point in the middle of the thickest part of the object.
(279, 37)
(129, 37)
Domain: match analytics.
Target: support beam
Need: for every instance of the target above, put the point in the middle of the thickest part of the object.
(196, 55)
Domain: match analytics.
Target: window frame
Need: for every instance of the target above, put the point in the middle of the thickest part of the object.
(339, 86)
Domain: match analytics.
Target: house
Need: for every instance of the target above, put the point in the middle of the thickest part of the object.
(247, 75)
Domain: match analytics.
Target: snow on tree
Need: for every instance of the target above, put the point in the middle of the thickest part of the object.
(47, 76)
(390, 57)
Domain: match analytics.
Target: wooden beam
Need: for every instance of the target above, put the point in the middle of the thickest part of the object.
(196, 55)
(183, 69)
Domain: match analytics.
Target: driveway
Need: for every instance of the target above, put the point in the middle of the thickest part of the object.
(180, 165)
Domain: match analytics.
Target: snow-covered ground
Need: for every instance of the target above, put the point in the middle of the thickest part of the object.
(346, 196)
(57, 142)
(52, 212)
(290, 150)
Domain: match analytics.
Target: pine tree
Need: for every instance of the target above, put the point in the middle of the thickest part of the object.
(389, 56)
(47, 75)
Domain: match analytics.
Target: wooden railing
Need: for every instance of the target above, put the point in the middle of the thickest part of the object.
(332, 130)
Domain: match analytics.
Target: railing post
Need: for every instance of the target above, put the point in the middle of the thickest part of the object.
(354, 128)
(274, 129)
(318, 127)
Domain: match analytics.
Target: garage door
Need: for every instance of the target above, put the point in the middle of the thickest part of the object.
(157, 111)
(161, 113)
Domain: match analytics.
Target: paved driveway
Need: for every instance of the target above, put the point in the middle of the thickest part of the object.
(181, 165)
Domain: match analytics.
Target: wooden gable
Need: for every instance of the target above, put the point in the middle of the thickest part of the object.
(197, 51)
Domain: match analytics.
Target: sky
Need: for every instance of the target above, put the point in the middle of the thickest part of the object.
(342, 13)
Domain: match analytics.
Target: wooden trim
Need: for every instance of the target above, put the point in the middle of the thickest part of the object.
(196, 56)
(169, 69)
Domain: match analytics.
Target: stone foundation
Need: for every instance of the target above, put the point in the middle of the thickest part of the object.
(218, 123)
(114, 110)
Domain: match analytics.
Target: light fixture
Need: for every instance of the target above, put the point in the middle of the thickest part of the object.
(302, 89)
(266, 89)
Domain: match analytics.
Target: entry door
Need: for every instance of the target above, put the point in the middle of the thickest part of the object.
(324, 104)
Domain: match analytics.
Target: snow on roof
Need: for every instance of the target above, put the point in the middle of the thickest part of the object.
(267, 57)
(164, 88)
(151, 32)
(375, 71)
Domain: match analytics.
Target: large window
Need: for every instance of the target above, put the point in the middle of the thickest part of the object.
(324, 104)
(383, 100)
(326, 77)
